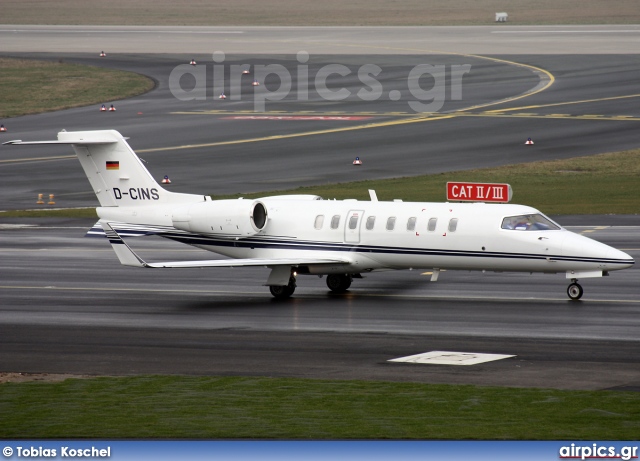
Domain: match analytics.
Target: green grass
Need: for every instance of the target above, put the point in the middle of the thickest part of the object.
(30, 87)
(44, 213)
(266, 408)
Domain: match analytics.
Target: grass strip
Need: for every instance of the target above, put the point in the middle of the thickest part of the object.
(44, 213)
(283, 408)
(30, 87)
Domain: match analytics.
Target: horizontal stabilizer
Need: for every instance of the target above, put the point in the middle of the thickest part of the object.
(19, 142)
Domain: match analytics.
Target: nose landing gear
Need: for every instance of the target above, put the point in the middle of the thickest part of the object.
(575, 290)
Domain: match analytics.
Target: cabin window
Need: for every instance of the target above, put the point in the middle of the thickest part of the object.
(353, 222)
(411, 224)
(391, 223)
(453, 224)
(431, 227)
(335, 221)
(319, 221)
(371, 220)
(529, 222)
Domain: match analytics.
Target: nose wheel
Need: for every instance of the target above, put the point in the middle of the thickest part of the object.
(575, 290)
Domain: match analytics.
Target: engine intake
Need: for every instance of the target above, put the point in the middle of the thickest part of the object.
(225, 218)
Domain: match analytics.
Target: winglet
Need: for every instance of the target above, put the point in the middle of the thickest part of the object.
(124, 253)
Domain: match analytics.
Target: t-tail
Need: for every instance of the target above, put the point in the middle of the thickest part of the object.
(116, 174)
(124, 187)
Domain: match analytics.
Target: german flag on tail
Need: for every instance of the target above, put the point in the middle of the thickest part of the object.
(111, 165)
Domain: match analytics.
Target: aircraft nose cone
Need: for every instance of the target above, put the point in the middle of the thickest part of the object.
(621, 256)
(609, 257)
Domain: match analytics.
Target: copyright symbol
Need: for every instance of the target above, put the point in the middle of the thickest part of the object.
(7, 452)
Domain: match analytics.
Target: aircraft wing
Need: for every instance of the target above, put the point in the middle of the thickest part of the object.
(245, 262)
(129, 258)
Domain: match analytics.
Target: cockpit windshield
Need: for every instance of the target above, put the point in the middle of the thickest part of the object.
(529, 222)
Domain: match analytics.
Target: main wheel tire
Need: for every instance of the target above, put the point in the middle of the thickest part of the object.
(283, 291)
(575, 291)
(339, 283)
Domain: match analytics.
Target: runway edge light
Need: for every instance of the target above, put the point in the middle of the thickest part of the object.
(529, 142)
(2, 128)
(166, 180)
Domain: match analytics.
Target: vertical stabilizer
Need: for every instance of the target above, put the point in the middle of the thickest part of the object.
(118, 177)
(115, 172)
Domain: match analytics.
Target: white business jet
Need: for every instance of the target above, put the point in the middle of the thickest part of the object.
(342, 239)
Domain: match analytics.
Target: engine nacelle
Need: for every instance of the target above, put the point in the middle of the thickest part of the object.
(226, 218)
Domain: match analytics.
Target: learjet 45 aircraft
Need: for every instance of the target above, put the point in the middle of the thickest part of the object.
(342, 239)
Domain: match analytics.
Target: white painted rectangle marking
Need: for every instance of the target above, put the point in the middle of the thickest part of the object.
(451, 358)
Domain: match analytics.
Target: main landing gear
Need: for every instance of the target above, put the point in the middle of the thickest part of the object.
(339, 283)
(575, 290)
(283, 291)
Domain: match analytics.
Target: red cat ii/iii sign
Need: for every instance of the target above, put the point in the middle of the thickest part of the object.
(478, 192)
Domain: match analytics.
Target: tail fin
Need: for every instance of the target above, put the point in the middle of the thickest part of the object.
(115, 172)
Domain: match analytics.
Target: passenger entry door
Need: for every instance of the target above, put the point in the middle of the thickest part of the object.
(352, 226)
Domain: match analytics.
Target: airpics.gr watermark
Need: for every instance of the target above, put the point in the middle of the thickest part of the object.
(596, 451)
(425, 90)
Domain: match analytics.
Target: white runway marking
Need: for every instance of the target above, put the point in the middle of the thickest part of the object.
(128, 31)
(451, 358)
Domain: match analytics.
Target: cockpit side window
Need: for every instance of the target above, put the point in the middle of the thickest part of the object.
(529, 222)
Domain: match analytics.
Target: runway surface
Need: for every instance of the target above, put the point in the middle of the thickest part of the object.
(500, 38)
(69, 307)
